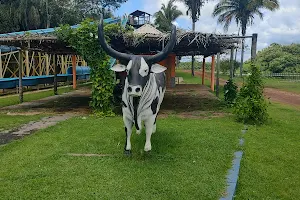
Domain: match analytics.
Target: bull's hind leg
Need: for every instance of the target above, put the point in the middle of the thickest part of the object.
(149, 130)
(128, 130)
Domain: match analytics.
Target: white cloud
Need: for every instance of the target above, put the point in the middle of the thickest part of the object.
(281, 26)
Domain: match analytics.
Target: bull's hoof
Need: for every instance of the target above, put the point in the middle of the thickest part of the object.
(127, 152)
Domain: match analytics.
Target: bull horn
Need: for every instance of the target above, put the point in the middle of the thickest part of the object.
(110, 51)
(166, 51)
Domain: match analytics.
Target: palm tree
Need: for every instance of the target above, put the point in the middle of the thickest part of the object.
(243, 12)
(165, 17)
(193, 9)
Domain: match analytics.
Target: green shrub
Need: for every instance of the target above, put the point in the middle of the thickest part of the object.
(84, 41)
(230, 92)
(250, 106)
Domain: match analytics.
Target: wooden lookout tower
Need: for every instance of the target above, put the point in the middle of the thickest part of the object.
(139, 18)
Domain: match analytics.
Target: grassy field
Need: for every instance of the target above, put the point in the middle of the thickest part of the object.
(12, 121)
(189, 160)
(288, 86)
(189, 79)
(270, 166)
(30, 96)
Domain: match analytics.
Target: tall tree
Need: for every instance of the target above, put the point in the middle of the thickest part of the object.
(167, 14)
(194, 10)
(243, 12)
(22, 15)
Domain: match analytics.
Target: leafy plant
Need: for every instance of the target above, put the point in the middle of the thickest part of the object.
(84, 41)
(250, 106)
(230, 92)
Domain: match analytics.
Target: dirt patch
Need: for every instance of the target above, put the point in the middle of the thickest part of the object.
(89, 155)
(272, 94)
(76, 102)
(191, 101)
(31, 127)
(24, 113)
(282, 96)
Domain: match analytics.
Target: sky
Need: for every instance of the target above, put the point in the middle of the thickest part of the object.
(281, 26)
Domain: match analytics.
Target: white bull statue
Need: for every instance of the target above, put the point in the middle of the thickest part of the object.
(144, 87)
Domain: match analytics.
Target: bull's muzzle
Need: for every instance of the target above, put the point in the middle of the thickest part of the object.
(134, 90)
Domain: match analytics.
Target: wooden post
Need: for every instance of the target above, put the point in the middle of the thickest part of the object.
(1, 66)
(47, 64)
(55, 74)
(218, 75)
(254, 46)
(27, 63)
(74, 71)
(203, 71)
(212, 74)
(231, 63)
(20, 76)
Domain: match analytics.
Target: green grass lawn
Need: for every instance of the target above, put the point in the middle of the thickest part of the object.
(30, 96)
(289, 86)
(189, 79)
(12, 121)
(270, 166)
(189, 160)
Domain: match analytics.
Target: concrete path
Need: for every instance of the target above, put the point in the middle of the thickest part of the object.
(31, 127)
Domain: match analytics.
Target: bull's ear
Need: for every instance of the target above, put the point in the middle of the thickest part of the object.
(156, 68)
(118, 68)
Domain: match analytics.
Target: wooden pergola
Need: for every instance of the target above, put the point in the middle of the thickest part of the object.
(188, 43)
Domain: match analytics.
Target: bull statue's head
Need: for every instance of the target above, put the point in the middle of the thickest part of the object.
(139, 67)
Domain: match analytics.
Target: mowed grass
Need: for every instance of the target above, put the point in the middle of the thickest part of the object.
(189, 79)
(12, 121)
(284, 85)
(30, 96)
(189, 160)
(270, 165)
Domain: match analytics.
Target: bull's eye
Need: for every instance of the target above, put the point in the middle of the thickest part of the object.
(146, 70)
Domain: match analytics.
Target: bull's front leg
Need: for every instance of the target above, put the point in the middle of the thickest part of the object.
(128, 130)
(149, 125)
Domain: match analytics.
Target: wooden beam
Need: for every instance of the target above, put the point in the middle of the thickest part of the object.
(203, 71)
(27, 63)
(254, 46)
(47, 64)
(74, 71)
(55, 75)
(212, 74)
(231, 63)
(218, 76)
(20, 76)
(1, 66)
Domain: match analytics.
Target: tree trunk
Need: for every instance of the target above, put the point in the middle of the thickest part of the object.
(193, 57)
(243, 50)
(47, 13)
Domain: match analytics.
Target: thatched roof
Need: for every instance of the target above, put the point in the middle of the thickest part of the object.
(188, 43)
(147, 29)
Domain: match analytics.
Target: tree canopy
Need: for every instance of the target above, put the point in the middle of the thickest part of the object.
(167, 14)
(22, 15)
(280, 58)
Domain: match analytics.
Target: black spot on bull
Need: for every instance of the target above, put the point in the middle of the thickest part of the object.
(125, 138)
(154, 105)
(136, 101)
(124, 104)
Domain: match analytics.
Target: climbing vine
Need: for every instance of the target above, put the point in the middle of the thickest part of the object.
(84, 41)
